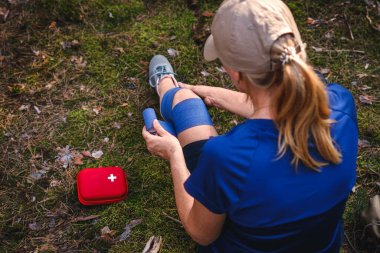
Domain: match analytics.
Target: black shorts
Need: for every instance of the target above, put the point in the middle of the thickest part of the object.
(192, 152)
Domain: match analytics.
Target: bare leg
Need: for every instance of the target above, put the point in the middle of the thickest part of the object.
(194, 133)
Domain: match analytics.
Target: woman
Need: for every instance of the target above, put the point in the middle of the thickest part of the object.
(279, 181)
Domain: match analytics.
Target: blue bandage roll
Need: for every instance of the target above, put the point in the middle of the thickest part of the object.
(149, 116)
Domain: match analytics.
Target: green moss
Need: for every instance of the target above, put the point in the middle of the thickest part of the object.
(117, 50)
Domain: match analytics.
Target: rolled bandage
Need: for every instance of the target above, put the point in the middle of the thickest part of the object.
(149, 116)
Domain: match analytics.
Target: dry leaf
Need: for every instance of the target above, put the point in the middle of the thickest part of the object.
(70, 44)
(310, 21)
(53, 25)
(24, 107)
(116, 125)
(119, 49)
(370, 3)
(172, 52)
(205, 73)
(221, 69)
(207, 14)
(153, 245)
(86, 153)
(79, 62)
(65, 156)
(97, 154)
(4, 12)
(106, 233)
(317, 49)
(128, 228)
(97, 109)
(78, 159)
(325, 71)
(47, 248)
(34, 176)
(367, 99)
(33, 226)
(364, 88)
(364, 144)
(54, 183)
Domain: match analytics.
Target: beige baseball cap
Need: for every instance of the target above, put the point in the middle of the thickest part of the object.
(243, 32)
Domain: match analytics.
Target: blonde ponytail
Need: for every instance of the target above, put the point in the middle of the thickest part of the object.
(299, 105)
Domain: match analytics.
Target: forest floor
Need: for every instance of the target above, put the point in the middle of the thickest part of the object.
(73, 82)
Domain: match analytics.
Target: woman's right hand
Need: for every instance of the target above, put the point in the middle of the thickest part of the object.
(202, 91)
(229, 100)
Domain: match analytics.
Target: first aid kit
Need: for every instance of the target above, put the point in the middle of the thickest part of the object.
(105, 185)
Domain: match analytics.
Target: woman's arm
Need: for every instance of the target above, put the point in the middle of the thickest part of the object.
(201, 224)
(236, 102)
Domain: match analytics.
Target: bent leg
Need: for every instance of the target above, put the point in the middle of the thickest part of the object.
(183, 105)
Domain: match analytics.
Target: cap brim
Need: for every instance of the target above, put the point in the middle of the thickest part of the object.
(209, 51)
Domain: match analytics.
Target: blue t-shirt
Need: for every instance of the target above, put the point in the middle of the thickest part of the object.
(271, 206)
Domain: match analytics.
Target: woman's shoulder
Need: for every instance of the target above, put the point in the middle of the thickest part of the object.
(341, 100)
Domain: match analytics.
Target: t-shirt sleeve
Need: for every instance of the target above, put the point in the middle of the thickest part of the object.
(204, 184)
(341, 100)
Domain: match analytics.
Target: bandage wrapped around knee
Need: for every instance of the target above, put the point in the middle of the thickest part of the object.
(186, 114)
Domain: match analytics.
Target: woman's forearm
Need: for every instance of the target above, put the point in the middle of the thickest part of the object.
(232, 101)
(180, 174)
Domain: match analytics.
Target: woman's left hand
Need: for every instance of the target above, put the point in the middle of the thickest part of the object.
(163, 144)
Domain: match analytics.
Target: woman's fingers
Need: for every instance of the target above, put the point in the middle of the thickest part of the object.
(186, 86)
(160, 130)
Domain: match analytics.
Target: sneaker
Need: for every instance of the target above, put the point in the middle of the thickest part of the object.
(160, 67)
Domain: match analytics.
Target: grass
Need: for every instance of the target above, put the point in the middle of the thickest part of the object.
(107, 72)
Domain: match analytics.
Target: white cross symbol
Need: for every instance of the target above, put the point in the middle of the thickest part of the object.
(112, 177)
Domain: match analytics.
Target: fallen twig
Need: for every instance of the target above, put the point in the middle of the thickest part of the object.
(81, 218)
(348, 26)
(337, 50)
(349, 242)
(173, 219)
(370, 20)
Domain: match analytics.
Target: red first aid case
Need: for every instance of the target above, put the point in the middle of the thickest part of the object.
(97, 186)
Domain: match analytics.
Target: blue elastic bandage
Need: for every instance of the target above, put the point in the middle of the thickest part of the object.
(167, 103)
(186, 114)
(190, 113)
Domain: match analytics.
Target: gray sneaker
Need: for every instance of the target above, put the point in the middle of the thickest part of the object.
(159, 67)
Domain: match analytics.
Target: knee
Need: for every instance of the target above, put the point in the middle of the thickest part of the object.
(183, 94)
